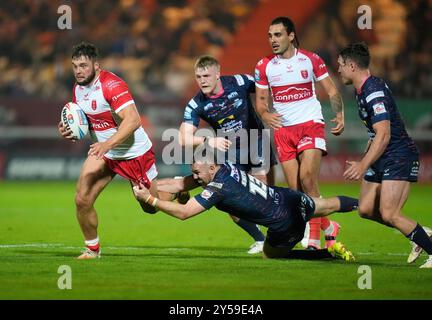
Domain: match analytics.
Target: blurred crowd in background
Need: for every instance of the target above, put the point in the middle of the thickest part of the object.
(143, 41)
(153, 44)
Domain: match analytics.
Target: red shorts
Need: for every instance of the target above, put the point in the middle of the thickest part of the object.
(140, 169)
(290, 141)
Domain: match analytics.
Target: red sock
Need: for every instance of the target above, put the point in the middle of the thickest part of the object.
(325, 223)
(94, 248)
(93, 244)
(314, 231)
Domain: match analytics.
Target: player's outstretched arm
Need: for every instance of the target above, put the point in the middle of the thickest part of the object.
(175, 185)
(187, 138)
(177, 210)
(187, 135)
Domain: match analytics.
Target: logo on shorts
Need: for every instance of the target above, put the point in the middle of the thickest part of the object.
(415, 169)
(304, 74)
(370, 172)
(304, 141)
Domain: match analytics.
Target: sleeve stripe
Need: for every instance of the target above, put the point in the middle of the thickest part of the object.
(239, 79)
(325, 75)
(374, 95)
(124, 105)
(261, 86)
(193, 104)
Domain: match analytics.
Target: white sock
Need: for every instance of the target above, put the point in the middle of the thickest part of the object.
(92, 243)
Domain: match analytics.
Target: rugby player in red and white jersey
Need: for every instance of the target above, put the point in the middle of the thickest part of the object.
(290, 74)
(121, 146)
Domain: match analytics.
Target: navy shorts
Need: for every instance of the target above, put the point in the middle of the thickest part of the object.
(403, 168)
(301, 210)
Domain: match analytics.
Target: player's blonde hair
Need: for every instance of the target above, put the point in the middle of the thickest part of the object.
(206, 61)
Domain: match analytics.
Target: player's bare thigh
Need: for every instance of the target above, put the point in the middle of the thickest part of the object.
(369, 200)
(394, 194)
(310, 163)
(93, 178)
(291, 172)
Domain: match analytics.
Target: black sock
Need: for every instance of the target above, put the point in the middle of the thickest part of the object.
(347, 204)
(251, 228)
(309, 254)
(420, 237)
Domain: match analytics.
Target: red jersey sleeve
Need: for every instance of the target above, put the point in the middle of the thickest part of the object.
(261, 80)
(319, 67)
(116, 92)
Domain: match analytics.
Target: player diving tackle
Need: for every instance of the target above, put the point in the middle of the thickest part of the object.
(282, 210)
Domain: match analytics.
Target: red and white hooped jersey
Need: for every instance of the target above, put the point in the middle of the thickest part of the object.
(292, 85)
(101, 101)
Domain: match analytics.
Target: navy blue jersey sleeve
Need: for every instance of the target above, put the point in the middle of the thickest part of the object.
(191, 114)
(247, 81)
(209, 197)
(377, 104)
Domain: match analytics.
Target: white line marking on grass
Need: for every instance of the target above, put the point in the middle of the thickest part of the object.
(27, 245)
(63, 246)
(381, 254)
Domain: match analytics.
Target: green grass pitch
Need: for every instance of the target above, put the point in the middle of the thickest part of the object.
(158, 257)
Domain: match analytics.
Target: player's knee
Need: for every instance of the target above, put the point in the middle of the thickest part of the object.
(365, 212)
(309, 183)
(83, 202)
(390, 218)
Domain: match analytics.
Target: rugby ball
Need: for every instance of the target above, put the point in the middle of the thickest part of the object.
(75, 120)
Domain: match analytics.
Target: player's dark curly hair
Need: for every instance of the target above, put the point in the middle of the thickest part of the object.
(85, 49)
(357, 52)
(289, 26)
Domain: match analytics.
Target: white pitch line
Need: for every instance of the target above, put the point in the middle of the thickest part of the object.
(381, 254)
(27, 245)
(63, 246)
